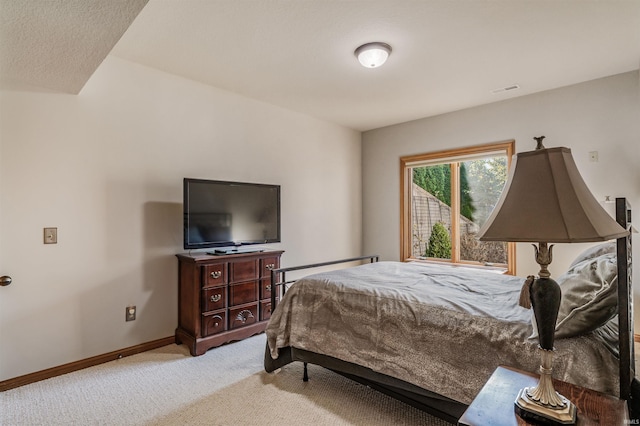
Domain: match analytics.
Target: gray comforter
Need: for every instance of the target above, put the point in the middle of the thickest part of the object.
(442, 328)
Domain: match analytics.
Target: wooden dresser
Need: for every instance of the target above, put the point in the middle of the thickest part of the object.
(223, 298)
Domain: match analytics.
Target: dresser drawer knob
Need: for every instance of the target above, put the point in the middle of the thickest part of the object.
(216, 274)
(216, 298)
(216, 317)
(244, 315)
(267, 287)
(270, 266)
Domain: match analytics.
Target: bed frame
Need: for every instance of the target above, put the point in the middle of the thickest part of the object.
(441, 406)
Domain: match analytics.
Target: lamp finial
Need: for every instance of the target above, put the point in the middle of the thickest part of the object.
(539, 141)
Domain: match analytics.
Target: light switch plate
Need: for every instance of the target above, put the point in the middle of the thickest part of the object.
(51, 235)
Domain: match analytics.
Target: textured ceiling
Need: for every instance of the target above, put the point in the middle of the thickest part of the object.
(298, 54)
(56, 45)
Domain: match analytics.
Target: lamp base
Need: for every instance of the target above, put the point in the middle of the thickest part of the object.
(529, 409)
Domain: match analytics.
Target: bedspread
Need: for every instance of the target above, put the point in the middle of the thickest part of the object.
(442, 328)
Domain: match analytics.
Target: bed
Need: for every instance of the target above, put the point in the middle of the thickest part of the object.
(432, 335)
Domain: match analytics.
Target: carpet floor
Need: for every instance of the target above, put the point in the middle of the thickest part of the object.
(225, 386)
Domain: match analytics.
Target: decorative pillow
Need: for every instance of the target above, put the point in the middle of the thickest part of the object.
(589, 295)
(608, 334)
(595, 251)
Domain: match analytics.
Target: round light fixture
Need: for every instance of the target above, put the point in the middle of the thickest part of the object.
(372, 55)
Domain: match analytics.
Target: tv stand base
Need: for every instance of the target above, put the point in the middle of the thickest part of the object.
(234, 251)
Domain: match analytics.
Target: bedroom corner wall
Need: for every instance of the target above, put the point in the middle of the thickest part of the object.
(106, 167)
(601, 115)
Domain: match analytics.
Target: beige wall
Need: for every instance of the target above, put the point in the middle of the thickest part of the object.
(106, 168)
(601, 115)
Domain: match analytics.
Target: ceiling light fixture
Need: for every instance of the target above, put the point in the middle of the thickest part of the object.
(372, 55)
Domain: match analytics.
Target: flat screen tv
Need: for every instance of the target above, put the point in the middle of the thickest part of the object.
(230, 214)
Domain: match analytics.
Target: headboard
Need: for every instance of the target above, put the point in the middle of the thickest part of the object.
(625, 301)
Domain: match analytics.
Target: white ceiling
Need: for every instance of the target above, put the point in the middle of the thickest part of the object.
(298, 54)
(56, 45)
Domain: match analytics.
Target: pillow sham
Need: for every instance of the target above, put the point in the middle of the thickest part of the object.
(608, 334)
(589, 296)
(595, 251)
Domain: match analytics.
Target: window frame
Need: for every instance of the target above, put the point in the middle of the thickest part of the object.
(407, 163)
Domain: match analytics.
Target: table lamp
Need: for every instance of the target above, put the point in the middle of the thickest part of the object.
(546, 201)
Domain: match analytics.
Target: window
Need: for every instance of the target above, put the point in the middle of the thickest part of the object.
(446, 197)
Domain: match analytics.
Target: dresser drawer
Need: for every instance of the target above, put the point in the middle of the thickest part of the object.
(214, 322)
(240, 294)
(244, 270)
(265, 288)
(243, 315)
(267, 264)
(214, 298)
(215, 274)
(265, 310)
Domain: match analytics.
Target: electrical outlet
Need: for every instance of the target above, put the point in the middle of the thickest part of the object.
(130, 313)
(51, 235)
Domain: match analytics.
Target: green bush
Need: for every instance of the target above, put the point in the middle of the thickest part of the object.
(439, 242)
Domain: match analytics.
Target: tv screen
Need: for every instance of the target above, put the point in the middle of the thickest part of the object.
(219, 213)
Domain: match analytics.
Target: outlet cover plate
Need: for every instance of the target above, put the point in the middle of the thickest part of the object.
(130, 313)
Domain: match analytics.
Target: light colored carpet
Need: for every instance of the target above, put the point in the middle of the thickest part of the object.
(226, 386)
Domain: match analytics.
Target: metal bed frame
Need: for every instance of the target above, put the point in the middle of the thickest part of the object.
(438, 405)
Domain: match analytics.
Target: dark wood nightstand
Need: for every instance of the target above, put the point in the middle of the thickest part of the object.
(494, 405)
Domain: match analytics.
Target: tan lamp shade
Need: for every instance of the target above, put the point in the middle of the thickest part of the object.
(546, 200)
